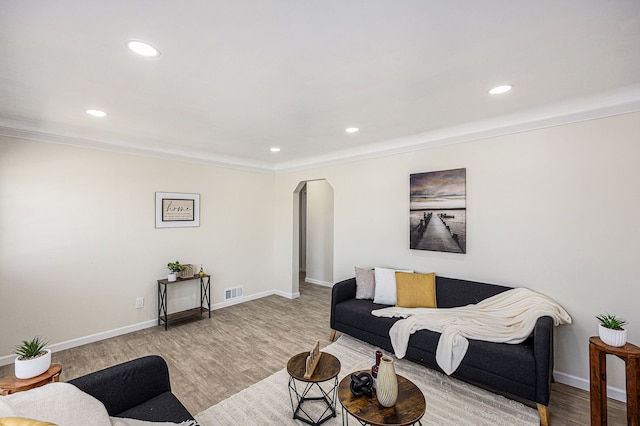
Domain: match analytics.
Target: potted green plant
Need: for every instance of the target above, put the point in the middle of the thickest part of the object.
(175, 268)
(611, 330)
(33, 359)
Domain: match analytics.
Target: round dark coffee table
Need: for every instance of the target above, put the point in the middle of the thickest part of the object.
(311, 389)
(408, 410)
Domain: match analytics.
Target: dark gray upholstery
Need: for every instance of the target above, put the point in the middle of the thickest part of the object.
(523, 370)
(137, 389)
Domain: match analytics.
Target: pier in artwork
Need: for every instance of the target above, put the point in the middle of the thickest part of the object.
(433, 233)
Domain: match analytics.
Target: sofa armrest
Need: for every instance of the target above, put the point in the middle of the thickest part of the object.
(344, 290)
(127, 385)
(543, 354)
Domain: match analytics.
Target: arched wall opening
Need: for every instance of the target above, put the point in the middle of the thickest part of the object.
(313, 213)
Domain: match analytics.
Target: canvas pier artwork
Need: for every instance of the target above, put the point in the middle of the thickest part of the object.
(437, 213)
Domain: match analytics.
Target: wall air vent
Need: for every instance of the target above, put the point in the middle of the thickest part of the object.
(232, 293)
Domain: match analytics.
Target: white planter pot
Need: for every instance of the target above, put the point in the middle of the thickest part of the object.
(171, 277)
(612, 337)
(28, 368)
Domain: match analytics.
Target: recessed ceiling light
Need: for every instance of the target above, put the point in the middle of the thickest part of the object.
(142, 48)
(275, 149)
(96, 113)
(498, 90)
(351, 130)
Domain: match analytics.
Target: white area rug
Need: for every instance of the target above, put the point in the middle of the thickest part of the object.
(449, 401)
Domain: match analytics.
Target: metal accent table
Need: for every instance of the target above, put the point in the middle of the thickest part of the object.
(326, 370)
(205, 296)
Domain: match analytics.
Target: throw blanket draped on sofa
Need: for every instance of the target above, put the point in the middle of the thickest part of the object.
(64, 404)
(508, 317)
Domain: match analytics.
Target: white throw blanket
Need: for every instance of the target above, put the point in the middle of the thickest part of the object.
(508, 317)
(65, 405)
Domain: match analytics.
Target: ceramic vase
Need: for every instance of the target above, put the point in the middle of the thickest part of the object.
(612, 337)
(171, 277)
(28, 368)
(387, 390)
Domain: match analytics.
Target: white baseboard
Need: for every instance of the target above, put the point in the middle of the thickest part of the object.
(580, 383)
(243, 299)
(56, 347)
(318, 282)
(567, 379)
(287, 295)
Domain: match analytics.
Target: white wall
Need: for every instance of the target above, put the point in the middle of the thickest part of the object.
(78, 241)
(556, 210)
(303, 230)
(319, 241)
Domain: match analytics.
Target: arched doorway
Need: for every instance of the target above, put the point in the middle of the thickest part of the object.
(313, 233)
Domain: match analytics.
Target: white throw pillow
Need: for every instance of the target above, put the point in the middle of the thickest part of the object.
(386, 285)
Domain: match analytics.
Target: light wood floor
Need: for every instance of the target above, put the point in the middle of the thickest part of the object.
(212, 359)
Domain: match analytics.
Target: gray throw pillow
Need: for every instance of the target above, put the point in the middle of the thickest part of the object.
(365, 283)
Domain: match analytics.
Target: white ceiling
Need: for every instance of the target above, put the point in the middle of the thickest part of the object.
(238, 77)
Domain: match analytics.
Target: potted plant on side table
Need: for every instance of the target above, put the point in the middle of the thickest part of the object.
(33, 359)
(175, 269)
(610, 330)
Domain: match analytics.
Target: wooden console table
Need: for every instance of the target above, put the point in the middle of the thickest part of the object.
(11, 384)
(205, 300)
(630, 354)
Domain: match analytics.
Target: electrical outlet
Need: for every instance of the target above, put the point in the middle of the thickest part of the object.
(139, 302)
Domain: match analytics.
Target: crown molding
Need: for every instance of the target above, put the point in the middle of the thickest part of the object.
(604, 105)
(185, 156)
(584, 109)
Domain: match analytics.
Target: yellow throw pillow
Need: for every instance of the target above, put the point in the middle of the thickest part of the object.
(416, 290)
(18, 421)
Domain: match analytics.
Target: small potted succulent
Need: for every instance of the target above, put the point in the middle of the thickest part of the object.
(175, 269)
(610, 330)
(33, 359)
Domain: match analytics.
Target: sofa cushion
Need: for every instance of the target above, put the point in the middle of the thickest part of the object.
(365, 283)
(452, 292)
(162, 408)
(500, 359)
(386, 286)
(503, 360)
(501, 367)
(415, 290)
(358, 313)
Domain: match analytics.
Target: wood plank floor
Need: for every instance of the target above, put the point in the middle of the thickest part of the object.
(212, 359)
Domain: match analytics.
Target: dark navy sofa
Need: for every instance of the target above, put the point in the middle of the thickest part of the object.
(137, 389)
(523, 370)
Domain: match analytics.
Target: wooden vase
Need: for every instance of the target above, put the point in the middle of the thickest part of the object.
(387, 390)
